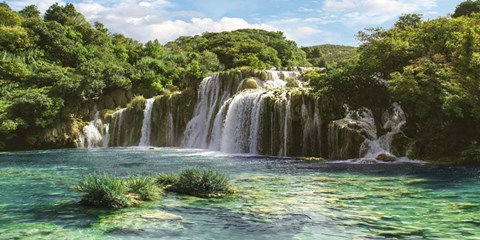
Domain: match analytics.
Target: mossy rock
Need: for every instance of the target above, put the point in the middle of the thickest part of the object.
(386, 157)
(292, 82)
(247, 71)
(249, 83)
(262, 75)
(137, 104)
(107, 102)
(120, 97)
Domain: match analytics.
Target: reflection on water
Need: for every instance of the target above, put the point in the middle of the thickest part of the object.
(276, 199)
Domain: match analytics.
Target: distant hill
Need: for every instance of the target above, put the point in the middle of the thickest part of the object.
(328, 55)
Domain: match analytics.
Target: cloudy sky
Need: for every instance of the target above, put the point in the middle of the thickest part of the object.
(308, 22)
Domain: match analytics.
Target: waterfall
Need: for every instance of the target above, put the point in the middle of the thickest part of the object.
(92, 133)
(393, 121)
(356, 135)
(118, 122)
(274, 115)
(255, 121)
(147, 120)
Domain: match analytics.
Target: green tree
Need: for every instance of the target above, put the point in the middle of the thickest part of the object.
(466, 8)
(30, 11)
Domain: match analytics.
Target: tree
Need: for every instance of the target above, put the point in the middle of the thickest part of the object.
(30, 11)
(409, 21)
(9, 17)
(466, 8)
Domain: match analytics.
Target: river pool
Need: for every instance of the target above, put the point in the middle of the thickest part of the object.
(277, 198)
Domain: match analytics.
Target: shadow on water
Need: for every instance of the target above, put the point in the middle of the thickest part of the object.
(68, 214)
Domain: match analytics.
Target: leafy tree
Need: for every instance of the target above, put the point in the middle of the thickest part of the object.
(30, 11)
(9, 17)
(466, 8)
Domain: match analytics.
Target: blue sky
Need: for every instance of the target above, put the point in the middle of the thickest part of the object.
(306, 22)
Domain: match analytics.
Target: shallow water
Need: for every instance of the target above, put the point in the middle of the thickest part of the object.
(277, 198)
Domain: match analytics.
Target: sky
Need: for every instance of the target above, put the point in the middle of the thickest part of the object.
(308, 22)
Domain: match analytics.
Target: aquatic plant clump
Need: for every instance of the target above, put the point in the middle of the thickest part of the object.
(144, 188)
(196, 182)
(103, 190)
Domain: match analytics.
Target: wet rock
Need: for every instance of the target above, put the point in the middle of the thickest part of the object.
(384, 157)
(400, 144)
(345, 137)
(62, 135)
(249, 83)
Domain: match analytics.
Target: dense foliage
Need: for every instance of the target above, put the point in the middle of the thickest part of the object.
(54, 67)
(246, 47)
(196, 182)
(328, 55)
(430, 67)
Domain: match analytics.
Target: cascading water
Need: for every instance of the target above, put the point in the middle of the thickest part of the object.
(356, 135)
(92, 133)
(392, 122)
(271, 113)
(147, 120)
(255, 121)
(210, 99)
(118, 122)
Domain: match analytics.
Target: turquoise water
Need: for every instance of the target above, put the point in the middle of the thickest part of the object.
(276, 198)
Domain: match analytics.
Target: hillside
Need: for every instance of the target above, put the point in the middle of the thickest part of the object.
(329, 55)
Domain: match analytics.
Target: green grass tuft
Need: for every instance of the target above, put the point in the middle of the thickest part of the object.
(197, 182)
(144, 188)
(102, 190)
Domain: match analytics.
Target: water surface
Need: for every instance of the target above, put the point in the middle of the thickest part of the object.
(277, 198)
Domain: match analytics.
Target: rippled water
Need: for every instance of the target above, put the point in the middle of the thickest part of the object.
(276, 199)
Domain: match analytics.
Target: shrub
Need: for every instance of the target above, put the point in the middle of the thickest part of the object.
(143, 188)
(471, 155)
(196, 182)
(104, 191)
(137, 104)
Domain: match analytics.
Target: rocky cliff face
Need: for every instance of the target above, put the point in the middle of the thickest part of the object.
(263, 112)
(62, 135)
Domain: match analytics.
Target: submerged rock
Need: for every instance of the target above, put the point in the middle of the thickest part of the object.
(140, 221)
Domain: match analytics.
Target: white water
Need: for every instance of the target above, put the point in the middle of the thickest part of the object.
(210, 99)
(392, 122)
(237, 124)
(118, 125)
(92, 134)
(375, 145)
(146, 125)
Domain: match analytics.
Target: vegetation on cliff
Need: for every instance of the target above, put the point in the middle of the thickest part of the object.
(430, 67)
(54, 67)
(329, 55)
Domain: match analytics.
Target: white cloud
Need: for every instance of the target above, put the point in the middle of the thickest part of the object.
(172, 29)
(42, 5)
(339, 4)
(354, 12)
(146, 20)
